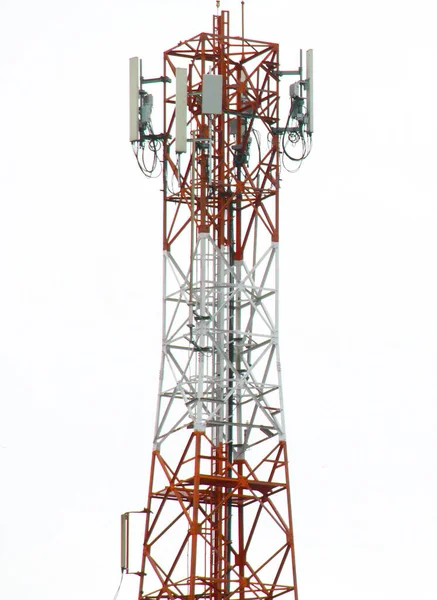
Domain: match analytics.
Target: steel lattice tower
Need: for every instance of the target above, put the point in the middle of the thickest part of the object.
(218, 513)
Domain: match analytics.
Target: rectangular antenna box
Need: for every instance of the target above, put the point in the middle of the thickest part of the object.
(212, 94)
(181, 110)
(310, 91)
(134, 98)
(295, 89)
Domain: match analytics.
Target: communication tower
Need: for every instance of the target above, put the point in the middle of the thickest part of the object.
(218, 513)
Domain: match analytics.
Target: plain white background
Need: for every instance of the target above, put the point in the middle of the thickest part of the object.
(80, 292)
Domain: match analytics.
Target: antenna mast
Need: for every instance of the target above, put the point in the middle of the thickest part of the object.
(218, 513)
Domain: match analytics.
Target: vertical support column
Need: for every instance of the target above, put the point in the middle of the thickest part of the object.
(147, 528)
(241, 540)
(238, 364)
(163, 350)
(201, 325)
(290, 520)
(195, 526)
(276, 339)
(220, 337)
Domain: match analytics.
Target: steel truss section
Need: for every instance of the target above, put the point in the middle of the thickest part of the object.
(218, 516)
(217, 529)
(220, 361)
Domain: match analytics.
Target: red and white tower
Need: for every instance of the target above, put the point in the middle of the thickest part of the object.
(218, 513)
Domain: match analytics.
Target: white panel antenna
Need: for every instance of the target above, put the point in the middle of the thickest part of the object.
(212, 94)
(181, 110)
(134, 98)
(310, 91)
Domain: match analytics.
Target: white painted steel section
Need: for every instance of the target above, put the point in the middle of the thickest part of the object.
(200, 333)
(134, 98)
(181, 110)
(220, 364)
(199, 383)
(276, 342)
(163, 358)
(238, 345)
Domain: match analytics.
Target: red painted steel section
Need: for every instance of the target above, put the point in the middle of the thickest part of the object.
(263, 509)
(250, 86)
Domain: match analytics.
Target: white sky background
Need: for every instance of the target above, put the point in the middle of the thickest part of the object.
(80, 293)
